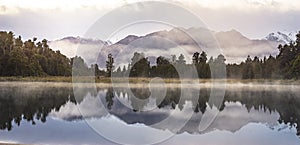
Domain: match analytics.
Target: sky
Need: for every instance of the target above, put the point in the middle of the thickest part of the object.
(55, 19)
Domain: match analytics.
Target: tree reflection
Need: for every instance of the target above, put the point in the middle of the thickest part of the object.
(285, 102)
(32, 105)
(109, 98)
(17, 104)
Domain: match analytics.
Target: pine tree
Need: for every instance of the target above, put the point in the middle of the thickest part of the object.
(109, 65)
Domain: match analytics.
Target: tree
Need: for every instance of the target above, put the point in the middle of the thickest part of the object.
(162, 61)
(211, 60)
(31, 58)
(287, 54)
(109, 65)
(6, 42)
(196, 58)
(248, 69)
(270, 68)
(203, 57)
(201, 65)
(96, 70)
(218, 67)
(220, 59)
(137, 57)
(79, 68)
(124, 71)
(163, 69)
(181, 59)
(140, 66)
(173, 59)
(295, 69)
(119, 72)
(257, 68)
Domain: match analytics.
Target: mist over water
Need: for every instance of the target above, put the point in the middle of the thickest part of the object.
(259, 113)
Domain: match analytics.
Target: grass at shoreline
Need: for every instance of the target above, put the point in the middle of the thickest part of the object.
(35, 79)
(82, 79)
(139, 80)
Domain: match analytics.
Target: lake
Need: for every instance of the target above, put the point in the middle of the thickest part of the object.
(57, 113)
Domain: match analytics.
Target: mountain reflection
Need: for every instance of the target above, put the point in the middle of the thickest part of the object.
(269, 105)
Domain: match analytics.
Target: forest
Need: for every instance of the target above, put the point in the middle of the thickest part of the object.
(32, 58)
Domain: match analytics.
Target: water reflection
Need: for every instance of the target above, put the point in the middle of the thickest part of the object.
(30, 103)
(240, 107)
(278, 107)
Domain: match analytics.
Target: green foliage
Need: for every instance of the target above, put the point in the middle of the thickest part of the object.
(203, 57)
(140, 66)
(109, 65)
(163, 69)
(286, 65)
(202, 67)
(160, 61)
(295, 69)
(79, 68)
(181, 59)
(18, 58)
(32, 58)
(218, 67)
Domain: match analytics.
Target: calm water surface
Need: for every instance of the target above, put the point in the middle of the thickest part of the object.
(32, 113)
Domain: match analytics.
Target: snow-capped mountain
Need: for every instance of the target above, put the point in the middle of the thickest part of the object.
(234, 45)
(282, 37)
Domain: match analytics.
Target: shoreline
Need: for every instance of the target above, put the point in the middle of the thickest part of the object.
(106, 80)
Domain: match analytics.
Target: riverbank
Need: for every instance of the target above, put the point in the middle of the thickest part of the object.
(142, 80)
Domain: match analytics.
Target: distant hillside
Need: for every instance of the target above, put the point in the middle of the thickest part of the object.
(233, 44)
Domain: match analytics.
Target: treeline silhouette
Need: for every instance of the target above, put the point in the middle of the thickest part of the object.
(285, 65)
(31, 58)
(174, 68)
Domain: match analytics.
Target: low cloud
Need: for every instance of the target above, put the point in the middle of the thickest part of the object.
(232, 44)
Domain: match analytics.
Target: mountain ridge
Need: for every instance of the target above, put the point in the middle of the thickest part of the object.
(282, 36)
(233, 44)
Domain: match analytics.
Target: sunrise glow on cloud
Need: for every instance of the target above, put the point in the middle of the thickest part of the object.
(245, 16)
